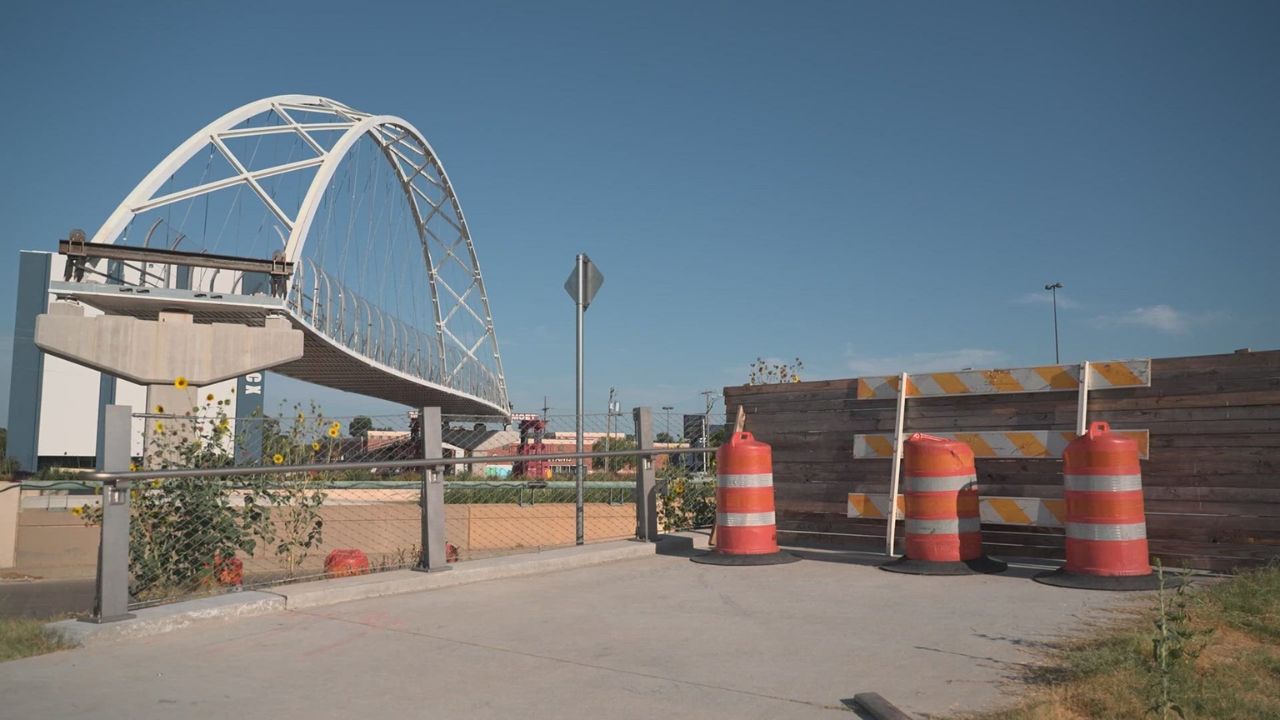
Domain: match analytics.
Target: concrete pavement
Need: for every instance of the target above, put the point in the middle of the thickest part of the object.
(646, 638)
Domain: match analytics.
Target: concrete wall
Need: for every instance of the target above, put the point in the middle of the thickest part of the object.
(10, 502)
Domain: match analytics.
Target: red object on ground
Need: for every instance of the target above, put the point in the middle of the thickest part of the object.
(344, 562)
(228, 571)
(450, 552)
(1106, 525)
(941, 493)
(745, 521)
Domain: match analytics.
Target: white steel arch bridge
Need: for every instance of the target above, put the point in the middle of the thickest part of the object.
(343, 221)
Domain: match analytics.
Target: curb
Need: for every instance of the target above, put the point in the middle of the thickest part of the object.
(361, 587)
(166, 618)
(175, 616)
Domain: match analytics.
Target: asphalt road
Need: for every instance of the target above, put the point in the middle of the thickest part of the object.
(45, 598)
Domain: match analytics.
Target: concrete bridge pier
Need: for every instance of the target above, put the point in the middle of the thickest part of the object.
(171, 355)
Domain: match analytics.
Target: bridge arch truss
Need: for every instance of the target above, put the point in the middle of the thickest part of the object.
(327, 182)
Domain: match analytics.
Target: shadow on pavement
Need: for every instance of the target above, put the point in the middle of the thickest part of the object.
(843, 556)
(1019, 568)
(677, 546)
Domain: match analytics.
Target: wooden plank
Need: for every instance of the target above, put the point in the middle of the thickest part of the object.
(1212, 485)
(1197, 440)
(1104, 401)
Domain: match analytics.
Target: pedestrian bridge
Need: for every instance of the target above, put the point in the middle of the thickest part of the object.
(343, 221)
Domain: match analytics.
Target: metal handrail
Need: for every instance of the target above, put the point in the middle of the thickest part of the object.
(112, 478)
(382, 337)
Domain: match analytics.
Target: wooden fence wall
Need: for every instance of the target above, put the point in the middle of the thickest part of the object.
(1212, 483)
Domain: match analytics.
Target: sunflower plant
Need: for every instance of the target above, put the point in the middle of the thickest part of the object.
(682, 503)
(297, 527)
(182, 531)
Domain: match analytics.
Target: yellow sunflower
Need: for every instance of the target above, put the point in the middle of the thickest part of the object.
(180, 382)
(277, 459)
(333, 431)
(133, 467)
(209, 397)
(315, 445)
(159, 409)
(159, 428)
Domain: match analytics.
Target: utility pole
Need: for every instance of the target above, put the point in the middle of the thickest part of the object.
(669, 408)
(608, 430)
(1054, 288)
(545, 408)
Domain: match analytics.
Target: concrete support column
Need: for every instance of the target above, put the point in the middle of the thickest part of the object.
(163, 437)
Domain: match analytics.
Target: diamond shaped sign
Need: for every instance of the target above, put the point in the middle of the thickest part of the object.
(591, 283)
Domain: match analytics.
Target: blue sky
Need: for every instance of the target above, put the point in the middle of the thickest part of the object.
(872, 187)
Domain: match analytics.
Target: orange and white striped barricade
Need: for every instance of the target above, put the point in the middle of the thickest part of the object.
(944, 535)
(1106, 525)
(746, 529)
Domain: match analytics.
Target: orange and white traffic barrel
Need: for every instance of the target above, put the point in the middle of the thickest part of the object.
(943, 527)
(1106, 525)
(746, 528)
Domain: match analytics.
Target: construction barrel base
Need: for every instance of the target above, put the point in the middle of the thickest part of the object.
(1062, 578)
(977, 566)
(719, 558)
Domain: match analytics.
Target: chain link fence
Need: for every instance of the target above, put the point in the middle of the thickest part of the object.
(198, 536)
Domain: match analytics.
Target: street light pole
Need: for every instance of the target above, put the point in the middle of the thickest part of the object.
(669, 408)
(1053, 288)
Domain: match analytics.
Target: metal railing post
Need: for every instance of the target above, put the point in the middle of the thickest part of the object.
(111, 597)
(646, 485)
(433, 557)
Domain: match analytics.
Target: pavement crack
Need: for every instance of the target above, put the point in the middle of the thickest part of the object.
(576, 663)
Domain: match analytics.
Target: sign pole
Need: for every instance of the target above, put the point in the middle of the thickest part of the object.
(581, 273)
(583, 284)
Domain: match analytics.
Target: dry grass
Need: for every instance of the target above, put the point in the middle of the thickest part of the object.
(23, 637)
(1110, 674)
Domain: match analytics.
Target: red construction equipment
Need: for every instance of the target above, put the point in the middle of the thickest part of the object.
(1106, 525)
(746, 530)
(531, 431)
(944, 535)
